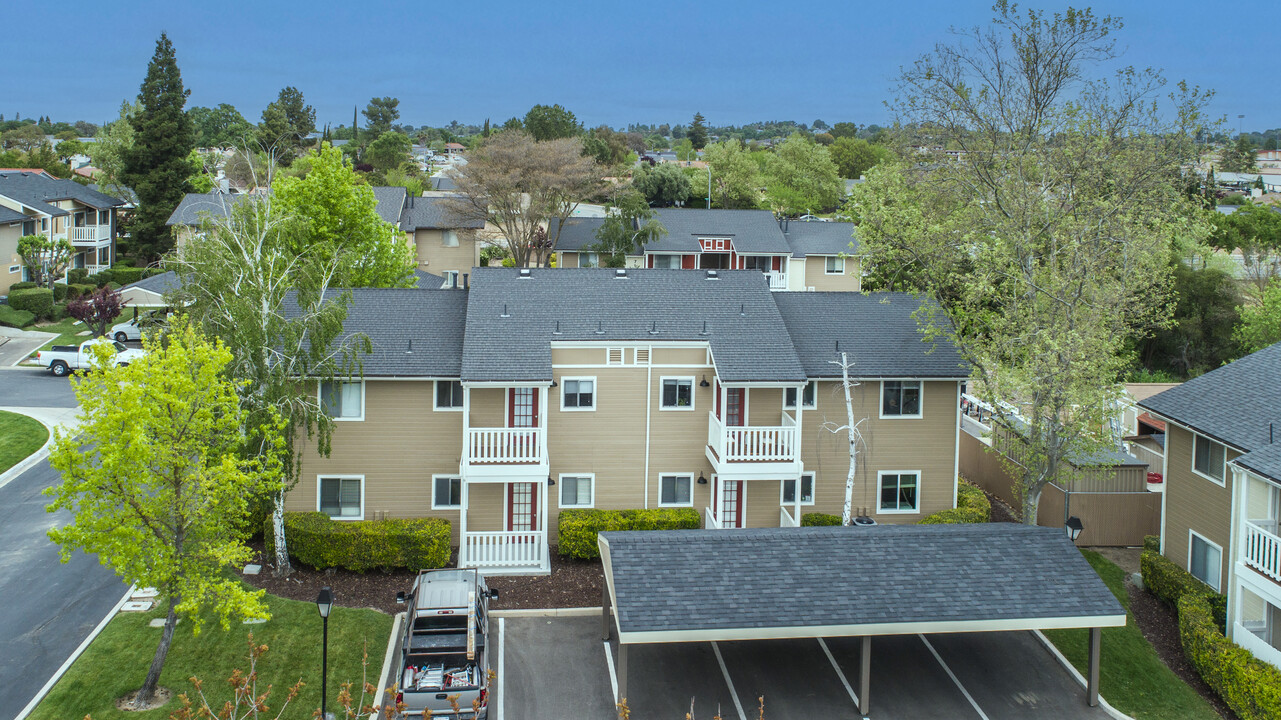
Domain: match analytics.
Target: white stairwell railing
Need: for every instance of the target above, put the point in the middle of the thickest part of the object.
(785, 519)
(505, 549)
(709, 520)
(504, 445)
(752, 443)
(1263, 551)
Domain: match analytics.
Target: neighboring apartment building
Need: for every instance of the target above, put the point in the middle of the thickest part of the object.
(60, 210)
(11, 225)
(1222, 500)
(793, 255)
(538, 390)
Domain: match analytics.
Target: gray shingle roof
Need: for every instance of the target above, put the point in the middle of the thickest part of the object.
(424, 280)
(1238, 404)
(435, 213)
(414, 333)
(877, 331)
(751, 346)
(443, 183)
(578, 233)
(820, 238)
(8, 216)
(195, 206)
(162, 284)
(753, 231)
(719, 580)
(37, 190)
(391, 203)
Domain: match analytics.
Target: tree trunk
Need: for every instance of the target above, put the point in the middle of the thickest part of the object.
(148, 688)
(283, 567)
(1031, 500)
(847, 510)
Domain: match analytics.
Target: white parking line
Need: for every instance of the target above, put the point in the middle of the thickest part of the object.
(839, 673)
(732, 692)
(502, 679)
(952, 675)
(613, 676)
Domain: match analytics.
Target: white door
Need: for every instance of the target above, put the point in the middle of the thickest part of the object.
(729, 503)
(522, 507)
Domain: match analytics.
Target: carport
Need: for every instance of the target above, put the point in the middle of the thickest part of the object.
(689, 586)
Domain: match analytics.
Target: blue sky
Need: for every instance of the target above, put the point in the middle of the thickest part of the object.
(609, 63)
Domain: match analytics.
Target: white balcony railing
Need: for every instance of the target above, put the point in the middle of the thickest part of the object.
(1263, 551)
(524, 549)
(504, 445)
(89, 234)
(777, 280)
(785, 519)
(709, 519)
(753, 443)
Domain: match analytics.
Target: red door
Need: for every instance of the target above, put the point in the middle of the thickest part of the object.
(522, 507)
(729, 503)
(522, 407)
(735, 402)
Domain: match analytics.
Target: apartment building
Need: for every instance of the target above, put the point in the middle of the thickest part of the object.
(793, 255)
(60, 210)
(1222, 498)
(538, 390)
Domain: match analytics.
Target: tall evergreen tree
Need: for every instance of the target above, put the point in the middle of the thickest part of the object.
(156, 165)
(698, 132)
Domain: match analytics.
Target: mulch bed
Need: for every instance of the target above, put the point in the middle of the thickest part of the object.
(1001, 512)
(572, 583)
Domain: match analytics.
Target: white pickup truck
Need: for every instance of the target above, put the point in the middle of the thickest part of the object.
(62, 359)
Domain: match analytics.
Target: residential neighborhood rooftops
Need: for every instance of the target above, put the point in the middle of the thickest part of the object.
(877, 331)
(412, 333)
(435, 213)
(392, 205)
(160, 284)
(8, 216)
(37, 190)
(753, 231)
(391, 202)
(578, 233)
(820, 238)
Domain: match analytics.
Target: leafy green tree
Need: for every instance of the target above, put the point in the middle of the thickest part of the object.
(736, 179)
(801, 178)
(1261, 324)
(108, 152)
(1200, 338)
(1238, 156)
(85, 129)
(844, 129)
(854, 157)
(698, 132)
(606, 146)
(1045, 241)
(513, 124)
(203, 169)
(157, 484)
(286, 123)
(389, 151)
(380, 114)
(44, 258)
(220, 127)
(545, 122)
(25, 138)
(1255, 232)
(663, 185)
(685, 150)
(155, 164)
(629, 225)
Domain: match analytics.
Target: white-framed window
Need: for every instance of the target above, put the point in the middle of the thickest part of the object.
(449, 238)
(1204, 559)
(900, 491)
(343, 400)
(104, 255)
(341, 497)
(1208, 458)
(577, 491)
(835, 266)
(449, 395)
(104, 217)
(667, 262)
(15, 269)
(678, 393)
(807, 398)
(588, 259)
(901, 398)
(446, 492)
(676, 491)
(451, 279)
(807, 490)
(578, 393)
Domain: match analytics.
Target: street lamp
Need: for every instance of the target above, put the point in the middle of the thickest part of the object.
(324, 603)
(709, 186)
(1074, 528)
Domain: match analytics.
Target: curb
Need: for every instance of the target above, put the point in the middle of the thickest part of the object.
(546, 612)
(383, 688)
(74, 656)
(29, 461)
(1080, 680)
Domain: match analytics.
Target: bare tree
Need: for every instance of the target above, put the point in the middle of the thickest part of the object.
(526, 189)
(854, 434)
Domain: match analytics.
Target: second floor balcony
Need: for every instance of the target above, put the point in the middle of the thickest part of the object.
(86, 234)
(505, 446)
(754, 449)
(1262, 550)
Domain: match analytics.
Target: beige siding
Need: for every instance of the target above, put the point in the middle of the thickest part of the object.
(578, 356)
(9, 235)
(765, 406)
(488, 407)
(434, 257)
(692, 357)
(567, 260)
(486, 507)
(1194, 503)
(816, 275)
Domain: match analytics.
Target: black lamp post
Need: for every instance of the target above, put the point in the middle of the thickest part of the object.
(1074, 528)
(324, 603)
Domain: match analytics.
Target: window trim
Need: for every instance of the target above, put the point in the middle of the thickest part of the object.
(583, 256)
(13, 269)
(1218, 575)
(827, 262)
(446, 476)
(595, 392)
(1220, 482)
(813, 403)
(879, 487)
(591, 479)
(790, 503)
(662, 383)
(435, 397)
(320, 398)
(687, 476)
(339, 476)
(920, 401)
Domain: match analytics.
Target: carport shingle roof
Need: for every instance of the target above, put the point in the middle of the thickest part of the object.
(683, 581)
(811, 237)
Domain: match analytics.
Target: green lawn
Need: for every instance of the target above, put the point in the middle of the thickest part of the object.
(19, 437)
(116, 663)
(1132, 677)
(67, 330)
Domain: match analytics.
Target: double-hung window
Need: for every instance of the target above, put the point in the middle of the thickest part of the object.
(578, 393)
(667, 262)
(678, 393)
(576, 491)
(449, 238)
(446, 492)
(807, 490)
(1203, 560)
(449, 395)
(675, 490)
(900, 491)
(835, 266)
(807, 397)
(1208, 458)
(343, 400)
(901, 398)
(341, 498)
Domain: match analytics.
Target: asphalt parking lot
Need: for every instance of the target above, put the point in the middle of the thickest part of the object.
(557, 667)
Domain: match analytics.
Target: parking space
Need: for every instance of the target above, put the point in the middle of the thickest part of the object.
(556, 667)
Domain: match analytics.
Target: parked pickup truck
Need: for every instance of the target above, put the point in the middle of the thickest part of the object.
(62, 359)
(442, 649)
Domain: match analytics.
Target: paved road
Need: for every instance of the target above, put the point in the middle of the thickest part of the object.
(34, 387)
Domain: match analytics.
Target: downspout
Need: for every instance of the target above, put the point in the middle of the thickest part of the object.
(1236, 541)
(956, 450)
(649, 404)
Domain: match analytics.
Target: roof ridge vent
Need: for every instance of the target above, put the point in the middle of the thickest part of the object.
(524, 273)
(713, 275)
(620, 274)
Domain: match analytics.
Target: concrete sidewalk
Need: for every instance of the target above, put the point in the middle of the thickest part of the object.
(16, 345)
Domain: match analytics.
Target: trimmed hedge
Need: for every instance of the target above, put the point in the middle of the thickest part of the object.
(77, 276)
(972, 506)
(1251, 687)
(576, 529)
(59, 292)
(37, 301)
(819, 519)
(360, 545)
(1152, 542)
(1171, 583)
(15, 318)
(125, 275)
(24, 285)
(76, 290)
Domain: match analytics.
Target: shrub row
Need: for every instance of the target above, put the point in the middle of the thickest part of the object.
(1171, 583)
(37, 301)
(972, 506)
(576, 529)
(1152, 542)
(1251, 687)
(63, 292)
(819, 519)
(316, 541)
(24, 285)
(15, 318)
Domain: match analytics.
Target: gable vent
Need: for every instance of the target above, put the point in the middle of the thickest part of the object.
(642, 356)
(615, 356)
